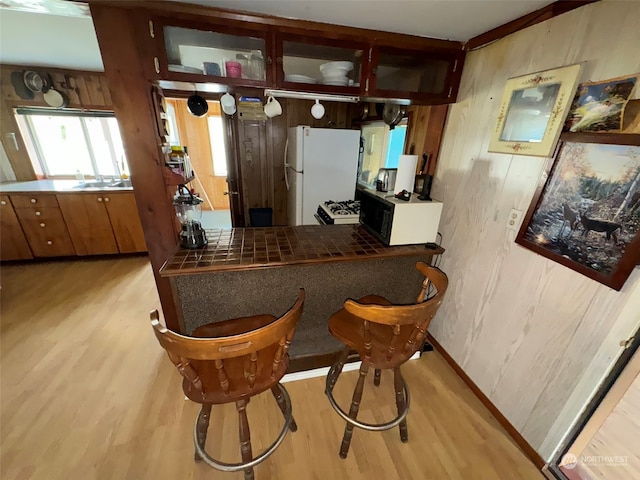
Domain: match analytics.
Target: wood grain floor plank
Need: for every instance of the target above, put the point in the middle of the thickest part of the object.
(87, 393)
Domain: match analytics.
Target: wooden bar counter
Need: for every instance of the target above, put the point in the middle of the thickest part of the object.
(250, 271)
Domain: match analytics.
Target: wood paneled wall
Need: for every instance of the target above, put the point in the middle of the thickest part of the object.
(532, 334)
(84, 90)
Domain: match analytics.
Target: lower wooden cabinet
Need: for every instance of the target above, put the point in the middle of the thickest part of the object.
(46, 231)
(57, 225)
(13, 243)
(103, 223)
(127, 229)
(88, 223)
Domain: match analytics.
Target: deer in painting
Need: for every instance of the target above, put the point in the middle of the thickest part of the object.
(604, 226)
(568, 217)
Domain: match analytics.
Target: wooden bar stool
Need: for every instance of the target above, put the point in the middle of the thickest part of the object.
(232, 361)
(385, 336)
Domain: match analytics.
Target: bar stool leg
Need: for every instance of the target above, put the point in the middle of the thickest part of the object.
(353, 412)
(400, 403)
(376, 377)
(277, 394)
(336, 370)
(245, 437)
(203, 426)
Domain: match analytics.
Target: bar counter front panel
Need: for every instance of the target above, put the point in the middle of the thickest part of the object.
(252, 271)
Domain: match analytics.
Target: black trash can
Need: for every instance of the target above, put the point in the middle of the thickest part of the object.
(261, 217)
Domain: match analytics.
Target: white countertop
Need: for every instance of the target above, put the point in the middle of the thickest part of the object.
(390, 197)
(54, 186)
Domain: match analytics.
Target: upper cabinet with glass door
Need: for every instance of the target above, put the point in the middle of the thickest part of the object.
(430, 77)
(321, 64)
(214, 53)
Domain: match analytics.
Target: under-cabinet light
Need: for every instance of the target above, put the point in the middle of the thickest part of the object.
(311, 96)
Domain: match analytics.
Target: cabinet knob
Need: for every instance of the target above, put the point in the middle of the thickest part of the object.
(3, 202)
(106, 199)
(42, 225)
(38, 214)
(279, 60)
(99, 199)
(49, 242)
(33, 200)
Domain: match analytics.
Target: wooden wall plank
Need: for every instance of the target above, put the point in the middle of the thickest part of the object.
(133, 105)
(525, 329)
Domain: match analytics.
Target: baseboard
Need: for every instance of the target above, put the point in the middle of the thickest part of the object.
(528, 450)
(322, 372)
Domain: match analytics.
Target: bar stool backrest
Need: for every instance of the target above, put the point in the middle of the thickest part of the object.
(401, 317)
(234, 361)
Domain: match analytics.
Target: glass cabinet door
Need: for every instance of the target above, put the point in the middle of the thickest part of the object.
(304, 63)
(415, 73)
(238, 58)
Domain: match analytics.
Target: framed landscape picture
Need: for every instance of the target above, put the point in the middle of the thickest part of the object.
(533, 110)
(586, 214)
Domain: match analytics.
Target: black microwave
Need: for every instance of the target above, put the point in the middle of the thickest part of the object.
(399, 222)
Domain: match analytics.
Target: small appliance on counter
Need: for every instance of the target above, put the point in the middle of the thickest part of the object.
(335, 213)
(399, 221)
(405, 178)
(189, 211)
(386, 181)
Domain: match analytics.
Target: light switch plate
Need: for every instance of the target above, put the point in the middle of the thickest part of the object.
(515, 217)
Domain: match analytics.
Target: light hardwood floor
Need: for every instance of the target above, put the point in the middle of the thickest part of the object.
(87, 393)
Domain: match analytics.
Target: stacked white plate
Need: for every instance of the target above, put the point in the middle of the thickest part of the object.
(335, 73)
(299, 78)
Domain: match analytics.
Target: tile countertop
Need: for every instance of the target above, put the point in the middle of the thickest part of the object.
(54, 186)
(249, 248)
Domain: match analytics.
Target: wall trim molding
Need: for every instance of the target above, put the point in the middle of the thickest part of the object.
(538, 16)
(527, 449)
(321, 372)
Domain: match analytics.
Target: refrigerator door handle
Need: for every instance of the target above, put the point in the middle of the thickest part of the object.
(286, 165)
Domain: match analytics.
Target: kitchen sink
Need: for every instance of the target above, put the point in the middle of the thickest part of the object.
(103, 184)
(121, 184)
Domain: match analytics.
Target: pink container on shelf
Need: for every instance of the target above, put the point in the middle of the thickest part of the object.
(234, 69)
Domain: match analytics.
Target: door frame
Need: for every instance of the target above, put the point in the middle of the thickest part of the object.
(597, 410)
(234, 174)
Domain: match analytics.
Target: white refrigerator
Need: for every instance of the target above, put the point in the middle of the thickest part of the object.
(320, 164)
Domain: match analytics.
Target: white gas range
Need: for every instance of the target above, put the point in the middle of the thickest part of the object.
(334, 213)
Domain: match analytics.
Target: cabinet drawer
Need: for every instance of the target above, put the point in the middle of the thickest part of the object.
(40, 200)
(46, 231)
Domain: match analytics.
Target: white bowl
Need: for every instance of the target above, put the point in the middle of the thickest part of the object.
(334, 76)
(339, 83)
(336, 67)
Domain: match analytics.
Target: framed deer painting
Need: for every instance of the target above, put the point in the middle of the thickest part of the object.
(586, 211)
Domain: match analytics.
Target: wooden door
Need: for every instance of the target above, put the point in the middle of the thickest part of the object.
(194, 133)
(13, 243)
(88, 223)
(125, 223)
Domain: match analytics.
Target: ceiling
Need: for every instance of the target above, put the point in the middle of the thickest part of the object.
(59, 33)
(448, 19)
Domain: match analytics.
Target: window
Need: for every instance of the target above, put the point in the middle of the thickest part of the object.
(216, 134)
(382, 148)
(70, 143)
